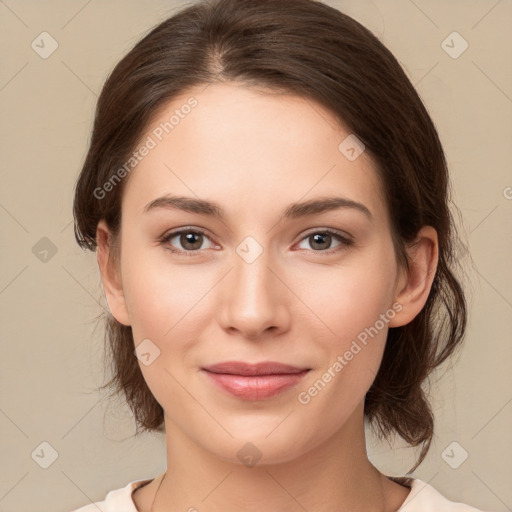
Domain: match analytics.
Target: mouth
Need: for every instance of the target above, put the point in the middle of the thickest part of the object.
(254, 381)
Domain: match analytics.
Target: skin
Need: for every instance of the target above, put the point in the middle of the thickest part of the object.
(254, 153)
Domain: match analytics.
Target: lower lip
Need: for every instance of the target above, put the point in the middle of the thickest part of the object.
(256, 387)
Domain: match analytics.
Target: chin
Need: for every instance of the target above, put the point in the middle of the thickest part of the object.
(257, 447)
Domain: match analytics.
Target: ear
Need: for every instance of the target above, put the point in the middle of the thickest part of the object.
(110, 274)
(413, 287)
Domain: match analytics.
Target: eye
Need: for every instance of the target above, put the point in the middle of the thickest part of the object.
(321, 241)
(192, 240)
(189, 240)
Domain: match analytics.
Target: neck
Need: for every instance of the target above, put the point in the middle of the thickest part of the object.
(335, 475)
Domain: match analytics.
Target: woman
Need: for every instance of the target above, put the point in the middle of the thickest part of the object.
(268, 199)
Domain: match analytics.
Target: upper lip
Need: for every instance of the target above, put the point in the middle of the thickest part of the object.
(263, 368)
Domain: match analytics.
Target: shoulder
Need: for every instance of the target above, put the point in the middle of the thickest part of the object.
(424, 498)
(118, 500)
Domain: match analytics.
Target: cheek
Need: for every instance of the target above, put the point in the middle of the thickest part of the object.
(351, 357)
(356, 312)
(352, 299)
(343, 301)
(160, 295)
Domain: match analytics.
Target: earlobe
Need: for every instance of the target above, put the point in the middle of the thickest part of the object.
(414, 286)
(110, 274)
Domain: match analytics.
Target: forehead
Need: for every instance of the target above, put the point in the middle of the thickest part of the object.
(251, 151)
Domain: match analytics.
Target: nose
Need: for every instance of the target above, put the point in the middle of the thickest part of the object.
(252, 301)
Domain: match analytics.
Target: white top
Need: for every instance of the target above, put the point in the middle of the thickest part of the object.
(422, 498)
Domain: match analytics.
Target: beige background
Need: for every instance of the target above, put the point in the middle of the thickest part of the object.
(51, 343)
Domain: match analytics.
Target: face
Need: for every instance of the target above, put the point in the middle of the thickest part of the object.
(254, 279)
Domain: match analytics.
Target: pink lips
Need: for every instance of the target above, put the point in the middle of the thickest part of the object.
(254, 381)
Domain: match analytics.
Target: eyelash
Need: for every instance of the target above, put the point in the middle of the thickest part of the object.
(345, 241)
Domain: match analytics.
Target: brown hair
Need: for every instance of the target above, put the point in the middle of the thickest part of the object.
(306, 48)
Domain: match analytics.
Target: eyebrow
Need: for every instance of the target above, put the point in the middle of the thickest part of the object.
(292, 211)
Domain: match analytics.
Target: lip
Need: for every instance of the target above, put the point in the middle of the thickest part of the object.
(254, 369)
(254, 381)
